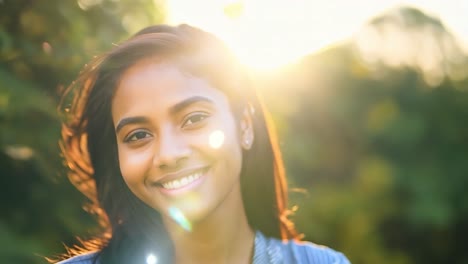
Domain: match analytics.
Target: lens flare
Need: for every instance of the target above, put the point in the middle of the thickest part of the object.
(216, 139)
(151, 259)
(180, 219)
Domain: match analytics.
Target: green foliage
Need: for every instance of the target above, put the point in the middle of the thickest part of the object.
(380, 152)
(43, 45)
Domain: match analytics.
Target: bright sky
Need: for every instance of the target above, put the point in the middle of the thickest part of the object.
(266, 34)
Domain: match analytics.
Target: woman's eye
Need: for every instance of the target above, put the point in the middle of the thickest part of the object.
(194, 119)
(137, 136)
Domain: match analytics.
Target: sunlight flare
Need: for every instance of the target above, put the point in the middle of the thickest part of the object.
(177, 215)
(216, 139)
(269, 34)
(151, 259)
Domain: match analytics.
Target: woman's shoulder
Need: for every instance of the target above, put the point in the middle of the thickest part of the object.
(307, 252)
(86, 258)
(292, 251)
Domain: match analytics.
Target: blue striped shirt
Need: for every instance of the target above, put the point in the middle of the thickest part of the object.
(269, 251)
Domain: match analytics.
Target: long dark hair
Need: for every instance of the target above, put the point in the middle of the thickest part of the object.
(90, 149)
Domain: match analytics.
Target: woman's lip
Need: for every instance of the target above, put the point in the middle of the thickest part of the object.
(184, 187)
(181, 182)
(178, 175)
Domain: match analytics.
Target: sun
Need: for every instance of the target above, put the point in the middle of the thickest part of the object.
(264, 35)
(269, 34)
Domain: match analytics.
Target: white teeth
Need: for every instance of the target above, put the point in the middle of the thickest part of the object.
(176, 184)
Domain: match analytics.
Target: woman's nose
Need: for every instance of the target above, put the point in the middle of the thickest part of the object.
(172, 149)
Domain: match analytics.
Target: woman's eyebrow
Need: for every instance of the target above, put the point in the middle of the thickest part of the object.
(187, 102)
(130, 120)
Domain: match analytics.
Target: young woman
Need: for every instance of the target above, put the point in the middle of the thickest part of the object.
(167, 137)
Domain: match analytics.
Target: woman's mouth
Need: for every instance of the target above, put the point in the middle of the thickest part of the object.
(182, 182)
(174, 184)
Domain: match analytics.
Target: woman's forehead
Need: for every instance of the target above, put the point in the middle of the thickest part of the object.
(160, 86)
(160, 77)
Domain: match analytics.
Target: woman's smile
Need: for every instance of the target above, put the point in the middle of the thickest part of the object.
(182, 181)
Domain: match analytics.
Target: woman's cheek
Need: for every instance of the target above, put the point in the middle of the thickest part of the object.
(133, 164)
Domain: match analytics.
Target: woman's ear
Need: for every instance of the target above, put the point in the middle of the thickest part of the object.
(246, 127)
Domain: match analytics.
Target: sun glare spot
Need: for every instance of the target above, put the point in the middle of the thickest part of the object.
(276, 27)
(151, 259)
(46, 47)
(180, 219)
(86, 4)
(216, 139)
(19, 152)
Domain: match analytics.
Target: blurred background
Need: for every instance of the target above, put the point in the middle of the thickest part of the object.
(370, 99)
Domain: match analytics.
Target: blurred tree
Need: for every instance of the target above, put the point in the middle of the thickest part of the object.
(375, 129)
(43, 45)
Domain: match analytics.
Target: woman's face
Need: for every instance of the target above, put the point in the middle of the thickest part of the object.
(178, 141)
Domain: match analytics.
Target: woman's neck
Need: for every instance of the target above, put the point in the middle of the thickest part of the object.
(224, 236)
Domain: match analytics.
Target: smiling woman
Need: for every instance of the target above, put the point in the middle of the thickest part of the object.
(169, 140)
